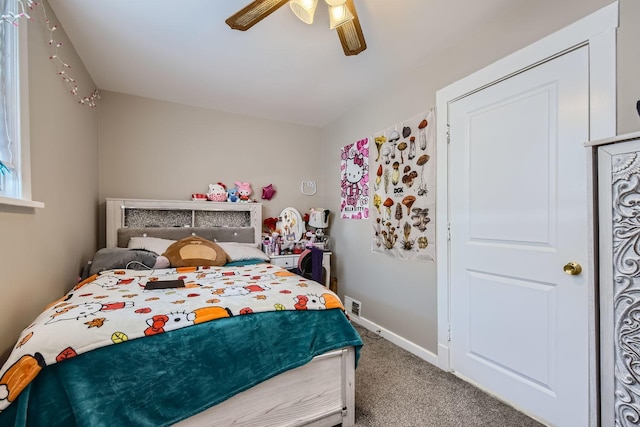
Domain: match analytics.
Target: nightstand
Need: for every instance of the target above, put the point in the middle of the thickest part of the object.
(291, 261)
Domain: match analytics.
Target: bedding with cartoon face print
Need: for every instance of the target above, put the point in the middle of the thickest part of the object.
(115, 307)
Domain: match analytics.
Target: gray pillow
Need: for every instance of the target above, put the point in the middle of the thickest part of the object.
(110, 258)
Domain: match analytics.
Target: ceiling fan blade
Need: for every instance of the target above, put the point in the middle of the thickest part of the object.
(350, 33)
(253, 13)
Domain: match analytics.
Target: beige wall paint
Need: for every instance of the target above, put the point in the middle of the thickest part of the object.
(628, 66)
(400, 295)
(43, 250)
(153, 149)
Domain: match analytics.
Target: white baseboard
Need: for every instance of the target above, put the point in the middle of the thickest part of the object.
(443, 357)
(411, 347)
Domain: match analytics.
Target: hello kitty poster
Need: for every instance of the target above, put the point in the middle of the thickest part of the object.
(354, 180)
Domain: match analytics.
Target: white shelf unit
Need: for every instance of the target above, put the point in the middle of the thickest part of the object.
(192, 212)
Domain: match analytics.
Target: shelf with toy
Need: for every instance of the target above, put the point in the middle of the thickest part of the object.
(219, 192)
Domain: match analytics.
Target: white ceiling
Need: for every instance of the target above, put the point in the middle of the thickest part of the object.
(281, 69)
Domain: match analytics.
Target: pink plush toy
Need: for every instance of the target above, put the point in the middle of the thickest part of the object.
(244, 191)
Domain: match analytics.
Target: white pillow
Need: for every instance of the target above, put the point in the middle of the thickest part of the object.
(242, 251)
(154, 244)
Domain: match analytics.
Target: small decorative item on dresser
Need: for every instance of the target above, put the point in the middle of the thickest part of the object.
(244, 191)
(270, 224)
(198, 197)
(217, 192)
(232, 195)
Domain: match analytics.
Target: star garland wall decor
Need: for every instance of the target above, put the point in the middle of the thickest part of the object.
(13, 18)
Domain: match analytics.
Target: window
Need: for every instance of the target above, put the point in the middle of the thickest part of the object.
(9, 142)
(15, 179)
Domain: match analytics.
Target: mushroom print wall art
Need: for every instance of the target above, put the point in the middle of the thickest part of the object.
(354, 180)
(403, 181)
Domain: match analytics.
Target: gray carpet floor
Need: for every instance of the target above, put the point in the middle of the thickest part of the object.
(397, 388)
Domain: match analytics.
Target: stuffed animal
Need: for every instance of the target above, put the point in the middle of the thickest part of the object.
(195, 251)
(232, 195)
(162, 262)
(217, 192)
(134, 259)
(244, 191)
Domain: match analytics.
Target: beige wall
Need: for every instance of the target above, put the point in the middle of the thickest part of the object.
(400, 295)
(628, 66)
(43, 250)
(160, 150)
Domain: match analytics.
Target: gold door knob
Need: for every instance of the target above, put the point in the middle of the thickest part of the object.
(572, 268)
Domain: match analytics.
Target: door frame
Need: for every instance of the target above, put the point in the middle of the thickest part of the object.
(596, 31)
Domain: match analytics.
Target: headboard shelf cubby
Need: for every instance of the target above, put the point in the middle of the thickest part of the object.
(146, 213)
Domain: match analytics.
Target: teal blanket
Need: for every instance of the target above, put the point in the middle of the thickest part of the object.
(162, 379)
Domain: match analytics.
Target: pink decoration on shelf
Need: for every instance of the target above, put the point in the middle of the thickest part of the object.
(268, 192)
(244, 191)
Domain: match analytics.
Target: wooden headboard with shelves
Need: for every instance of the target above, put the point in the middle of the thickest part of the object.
(180, 218)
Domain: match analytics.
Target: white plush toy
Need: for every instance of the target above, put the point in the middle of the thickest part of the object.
(162, 262)
(217, 192)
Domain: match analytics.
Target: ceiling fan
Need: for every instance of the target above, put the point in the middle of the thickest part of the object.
(342, 14)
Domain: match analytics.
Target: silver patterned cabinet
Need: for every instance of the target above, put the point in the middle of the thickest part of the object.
(618, 195)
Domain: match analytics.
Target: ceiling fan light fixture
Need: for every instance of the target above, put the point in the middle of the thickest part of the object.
(339, 15)
(348, 28)
(304, 9)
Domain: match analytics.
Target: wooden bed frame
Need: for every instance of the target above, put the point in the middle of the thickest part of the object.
(319, 394)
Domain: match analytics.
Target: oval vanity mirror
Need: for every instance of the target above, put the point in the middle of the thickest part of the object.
(291, 225)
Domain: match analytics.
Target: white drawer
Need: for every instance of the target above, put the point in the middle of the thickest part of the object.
(285, 261)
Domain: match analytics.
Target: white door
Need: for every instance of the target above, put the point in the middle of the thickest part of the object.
(518, 212)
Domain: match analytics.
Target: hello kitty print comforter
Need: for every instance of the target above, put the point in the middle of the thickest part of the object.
(114, 307)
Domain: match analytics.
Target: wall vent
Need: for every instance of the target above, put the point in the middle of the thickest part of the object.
(352, 306)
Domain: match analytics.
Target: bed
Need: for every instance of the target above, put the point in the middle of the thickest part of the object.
(237, 345)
